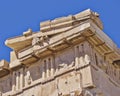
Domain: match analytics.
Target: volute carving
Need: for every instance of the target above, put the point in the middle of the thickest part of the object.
(35, 41)
(39, 40)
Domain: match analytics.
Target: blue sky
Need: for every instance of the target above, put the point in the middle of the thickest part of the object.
(16, 16)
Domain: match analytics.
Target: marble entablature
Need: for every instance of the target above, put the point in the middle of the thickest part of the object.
(69, 56)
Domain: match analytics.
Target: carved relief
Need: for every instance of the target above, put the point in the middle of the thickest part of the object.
(93, 92)
(35, 41)
(48, 67)
(69, 84)
(88, 93)
(65, 59)
(28, 78)
(40, 40)
(35, 73)
(68, 72)
(87, 59)
(82, 54)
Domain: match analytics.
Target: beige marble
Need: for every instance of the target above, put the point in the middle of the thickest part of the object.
(69, 56)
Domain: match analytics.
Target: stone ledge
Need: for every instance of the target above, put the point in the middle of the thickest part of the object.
(53, 27)
(46, 80)
(4, 68)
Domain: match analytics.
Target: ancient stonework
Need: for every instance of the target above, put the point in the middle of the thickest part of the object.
(69, 56)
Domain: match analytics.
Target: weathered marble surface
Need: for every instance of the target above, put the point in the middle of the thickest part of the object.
(70, 56)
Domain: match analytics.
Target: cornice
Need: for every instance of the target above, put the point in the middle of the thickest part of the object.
(53, 27)
(59, 34)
